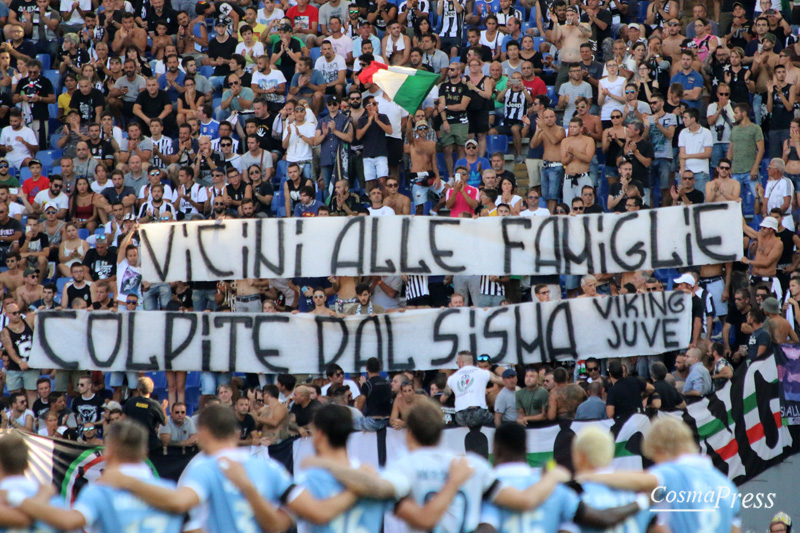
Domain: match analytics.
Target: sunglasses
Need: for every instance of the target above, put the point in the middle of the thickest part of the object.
(615, 116)
(3, 165)
(155, 173)
(225, 144)
(318, 296)
(483, 358)
(55, 186)
(392, 185)
(630, 92)
(577, 209)
(592, 369)
(724, 94)
(724, 168)
(131, 302)
(235, 83)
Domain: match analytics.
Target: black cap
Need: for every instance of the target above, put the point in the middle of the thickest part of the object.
(333, 99)
(223, 20)
(34, 162)
(285, 27)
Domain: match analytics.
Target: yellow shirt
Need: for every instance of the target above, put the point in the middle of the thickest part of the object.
(257, 30)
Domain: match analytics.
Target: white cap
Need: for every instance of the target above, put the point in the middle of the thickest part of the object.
(770, 222)
(684, 278)
(634, 25)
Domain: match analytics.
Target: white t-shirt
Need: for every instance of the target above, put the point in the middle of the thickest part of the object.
(129, 280)
(469, 387)
(342, 46)
(775, 192)
(299, 150)
(395, 114)
(615, 88)
(350, 385)
(258, 51)
(330, 70)
(197, 193)
(695, 143)
(263, 18)
(42, 197)
(75, 18)
(269, 81)
(726, 125)
(97, 188)
(19, 152)
(539, 212)
(384, 211)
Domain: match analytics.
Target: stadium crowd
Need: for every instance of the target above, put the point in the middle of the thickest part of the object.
(121, 113)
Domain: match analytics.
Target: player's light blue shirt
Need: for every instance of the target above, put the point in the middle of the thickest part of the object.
(109, 509)
(29, 488)
(558, 509)
(695, 484)
(603, 497)
(365, 515)
(421, 474)
(226, 510)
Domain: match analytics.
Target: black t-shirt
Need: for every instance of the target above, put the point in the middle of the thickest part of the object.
(10, 228)
(453, 93)
(87, 104)
(378, 394)
(167, 15)
(592, 209)
(760, 337)
(626, 396)
(101, 267)
(79, 58)
(40, 87)
(264, 132)
(40, 408)
(265, 189)
(111, 194)
(735, 318)
(227, 49)
(375, 138)
(102, 150)
(153, 106)
(23, 6)
(90, 410)
(641, 172)
(147, 412)
(304, 415)
(185, 298)
(247, 426)
(484, 51)
(287, 64)
(599, 35)
(85, 293)
(695, 196)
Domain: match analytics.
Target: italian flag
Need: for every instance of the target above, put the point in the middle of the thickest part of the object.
(407, 87)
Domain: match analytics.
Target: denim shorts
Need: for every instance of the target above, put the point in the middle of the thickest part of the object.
(551, 182)
(660, 170)
(795, 179)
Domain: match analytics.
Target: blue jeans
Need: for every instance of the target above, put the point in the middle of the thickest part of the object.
(327, 174)
(551, 182)
(776, 138)
(719, 151)
(744, 179)
(157, 297)
(203, 299)
(660, 169)
(757, 101)
(594, 171)
(217, 82)
(370, 424)
(700, 180)
(209, 381)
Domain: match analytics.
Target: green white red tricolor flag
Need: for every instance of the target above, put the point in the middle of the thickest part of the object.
(407, 87)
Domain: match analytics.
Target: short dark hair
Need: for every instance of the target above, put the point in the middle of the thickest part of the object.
(426, 422)
(13, 454)
(373, 365)
(615, 369)
(335, 422)
(287, 380)
(332, 368)
(272, 390)
(510, 442)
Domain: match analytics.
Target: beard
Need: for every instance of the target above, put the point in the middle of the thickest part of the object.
(356, 105)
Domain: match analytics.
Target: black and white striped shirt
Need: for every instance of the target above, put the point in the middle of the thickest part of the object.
(416, 287)
(492, 288)
(164, 145)
(515, 106)
(452, 21)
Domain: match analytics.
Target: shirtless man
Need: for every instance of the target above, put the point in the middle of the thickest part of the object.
(248, 294)
(671, 43)
(551, 134)
(780, 328)
(564, 399)
(30, 291)
(592, 125)
(569, 37)
(423, 160)
(399, 202)
(764, 264)
(273, 418)
(792, 72)
(403, 404)
(577, 151)
(764, 63)
(13, 278)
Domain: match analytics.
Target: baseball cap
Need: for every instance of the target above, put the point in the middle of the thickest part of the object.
(333, 99)
(223, 20)
(112, 405)
(421, 124)
(771, 37)
(471, 141)
(509, 373)
(781, 518)
(769, 222)
(634, 26)
(34, 162)
(30, 271)
(50, 205)
(285, 27)
(684, 278)
(738, 4)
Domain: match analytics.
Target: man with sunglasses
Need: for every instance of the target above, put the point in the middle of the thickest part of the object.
(335, 375)
(53, 195)
(17, 339)
(7, 179)
(179, 429)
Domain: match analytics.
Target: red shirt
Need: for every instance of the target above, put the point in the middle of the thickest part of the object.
(32, 188)
(536, 86)
(303, 19)
(461, 205)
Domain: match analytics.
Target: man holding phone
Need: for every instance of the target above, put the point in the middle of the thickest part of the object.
(462, 198)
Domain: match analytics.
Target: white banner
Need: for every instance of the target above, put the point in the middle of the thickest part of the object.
(671, 237)
(639, 324)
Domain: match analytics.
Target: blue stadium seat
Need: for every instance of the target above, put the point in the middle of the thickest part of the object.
(49, 157)
(52, 109)
(159, 379)
(193, 379)
(216, 102)
(280, 171)
(643, 5)
(24, 173)
(54, 135)
(45, 60)
(55, 170)
(83, 233)
(537, 41)
(100, 231)
(60, 283)
(55, 79)
(207, 70)
(314, 53)
(551, 94)
(496, 143)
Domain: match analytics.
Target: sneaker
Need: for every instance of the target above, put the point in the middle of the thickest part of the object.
(519, 160)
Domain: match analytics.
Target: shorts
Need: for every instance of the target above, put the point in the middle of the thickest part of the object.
(534, 167)
(458, 135)
(22, 379)
(449, 42)
(552, 177)
(795, 179)
(375, 167)
(474, 417)
(118, 379)
(65, 377)
(395, 147)
(505, 129)
(573, 185)
(660, 170)
(420, 193)
(330, 90)
(478, 121)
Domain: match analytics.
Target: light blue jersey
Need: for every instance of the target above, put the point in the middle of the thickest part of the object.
(225, 509)
(109, 509)
(692, 482)
(421, 474)
(558, 509)
(28, 488)
(365, 515)
(602, 497)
